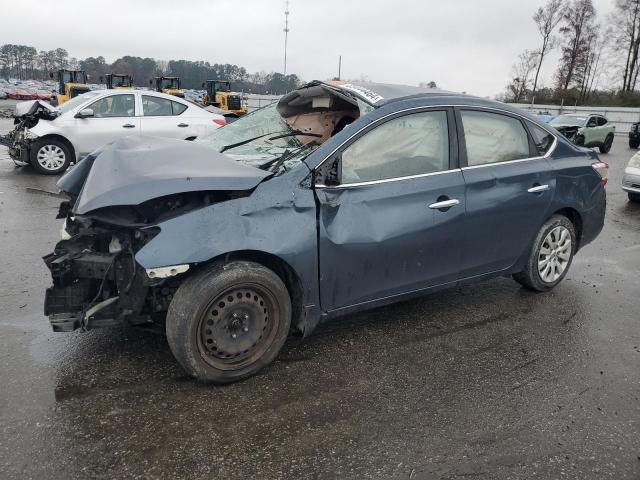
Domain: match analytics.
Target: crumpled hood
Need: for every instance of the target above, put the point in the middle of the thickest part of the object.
(30, 107)
(135, 169)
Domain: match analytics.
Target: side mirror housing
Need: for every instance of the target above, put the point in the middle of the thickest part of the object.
(85, 113)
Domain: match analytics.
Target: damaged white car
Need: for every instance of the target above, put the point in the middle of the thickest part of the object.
(50, 138)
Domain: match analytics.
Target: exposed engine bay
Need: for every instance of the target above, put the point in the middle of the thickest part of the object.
(569, 132)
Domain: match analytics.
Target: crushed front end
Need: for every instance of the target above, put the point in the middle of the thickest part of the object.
(96, 280)
(570, 132)
(26, 116)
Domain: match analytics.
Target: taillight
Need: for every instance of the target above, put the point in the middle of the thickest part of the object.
(220, 121)
(603, 170)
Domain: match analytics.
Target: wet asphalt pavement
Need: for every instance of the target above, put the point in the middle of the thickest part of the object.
(488, 381)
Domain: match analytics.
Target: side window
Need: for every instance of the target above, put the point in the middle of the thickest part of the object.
(156, 106)
(602, 121)
(493, 138)
(541, 138)
(410, 145)
(593, 122)
(178, 107)
(114, 106)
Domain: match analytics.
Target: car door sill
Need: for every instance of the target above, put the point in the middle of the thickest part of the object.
(400, 297)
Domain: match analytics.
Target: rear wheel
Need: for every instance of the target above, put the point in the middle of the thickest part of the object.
(634, 197)
(50, 156)
(606, 146)
(229, 321)
(551, 255)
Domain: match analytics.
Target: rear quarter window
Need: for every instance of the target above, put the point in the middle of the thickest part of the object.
(542, 138)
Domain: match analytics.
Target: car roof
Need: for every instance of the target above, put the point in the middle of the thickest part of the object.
(152, 93)
(379, 94)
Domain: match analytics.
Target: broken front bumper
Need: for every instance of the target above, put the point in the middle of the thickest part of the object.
(93, 290)
(18, 150)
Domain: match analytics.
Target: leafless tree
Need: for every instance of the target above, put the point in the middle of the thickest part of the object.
(625, 33)
(522, 72)
(577, 24)
(547, 19)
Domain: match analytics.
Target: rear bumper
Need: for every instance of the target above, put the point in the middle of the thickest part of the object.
(593, 219)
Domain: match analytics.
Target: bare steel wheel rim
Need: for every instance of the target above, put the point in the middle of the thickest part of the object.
(555, 254)
(51, 157)
(238, 327)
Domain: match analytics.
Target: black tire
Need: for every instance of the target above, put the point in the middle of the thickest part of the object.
(579, 140)
(606, 146)
(530, 277)
(634, 144)
(54, 145)
(228, 321)
(634, 197)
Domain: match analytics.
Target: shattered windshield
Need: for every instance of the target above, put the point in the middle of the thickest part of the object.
(569, 120)
(258, 129)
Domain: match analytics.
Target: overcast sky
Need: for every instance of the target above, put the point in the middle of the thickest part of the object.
(463, 45)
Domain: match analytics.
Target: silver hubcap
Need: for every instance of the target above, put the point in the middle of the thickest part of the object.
(51, 157)
(555, 254)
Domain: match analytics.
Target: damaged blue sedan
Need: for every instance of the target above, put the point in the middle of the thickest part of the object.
(335, 199)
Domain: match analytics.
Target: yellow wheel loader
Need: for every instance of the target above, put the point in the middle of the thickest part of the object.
(71, 83)
(218, 93)
(168, 85)
(118, 81)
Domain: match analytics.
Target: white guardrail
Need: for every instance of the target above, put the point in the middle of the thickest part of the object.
(621, 117)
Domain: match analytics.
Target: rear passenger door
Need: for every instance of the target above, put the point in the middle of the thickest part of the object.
(162, 117)
(509, 187)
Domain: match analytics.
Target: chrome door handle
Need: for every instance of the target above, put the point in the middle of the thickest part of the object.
(182, 125)
(445, 204)
(128, 125)
(538, 189)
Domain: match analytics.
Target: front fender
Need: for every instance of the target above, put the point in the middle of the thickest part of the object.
(278, 218)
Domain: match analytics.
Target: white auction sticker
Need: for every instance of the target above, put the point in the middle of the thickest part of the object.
(370, 95)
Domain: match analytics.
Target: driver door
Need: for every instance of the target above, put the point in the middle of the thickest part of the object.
(391, 210)
(114, 116)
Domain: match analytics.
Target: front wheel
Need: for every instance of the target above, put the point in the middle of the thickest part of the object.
(634, 144)
(228, 321)
(634, 197)
(606, 146)
(579, 140)
(551, 255)
(50, 156)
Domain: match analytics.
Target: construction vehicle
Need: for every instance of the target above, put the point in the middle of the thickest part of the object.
(218, 93)
(168, 85)
(71, 83)
(118, 80)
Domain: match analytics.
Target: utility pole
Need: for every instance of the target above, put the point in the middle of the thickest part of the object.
(286, 35)
(339, 66)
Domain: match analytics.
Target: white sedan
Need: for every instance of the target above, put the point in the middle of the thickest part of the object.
(50, 139)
